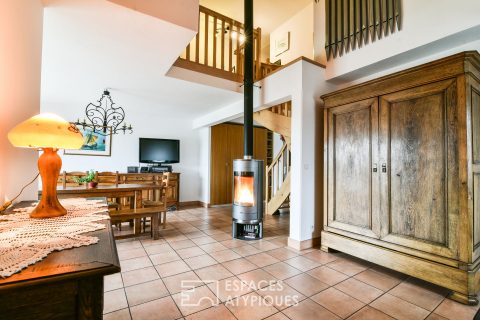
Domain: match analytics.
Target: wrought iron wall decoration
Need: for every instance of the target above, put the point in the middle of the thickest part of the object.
(105, 115)
(350, 24)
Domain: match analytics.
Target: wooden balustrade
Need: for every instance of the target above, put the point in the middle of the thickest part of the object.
(283, 109)
(265, 69)
(218, 47)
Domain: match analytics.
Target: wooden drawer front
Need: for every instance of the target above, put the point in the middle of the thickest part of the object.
(140, 179)
(46, 301)
(419, 190)
(352, 201)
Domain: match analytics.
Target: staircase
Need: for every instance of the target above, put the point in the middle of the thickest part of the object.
(277, 119)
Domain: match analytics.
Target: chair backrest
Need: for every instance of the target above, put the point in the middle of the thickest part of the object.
(107, 178)
(67, 179)
(166, 186)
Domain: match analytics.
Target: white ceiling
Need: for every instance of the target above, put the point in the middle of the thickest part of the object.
(90, 45)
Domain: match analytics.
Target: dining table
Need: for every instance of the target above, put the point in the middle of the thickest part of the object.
(132, 191)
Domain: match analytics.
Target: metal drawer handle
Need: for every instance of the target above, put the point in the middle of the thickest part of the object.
(375, 168)
(384, 167)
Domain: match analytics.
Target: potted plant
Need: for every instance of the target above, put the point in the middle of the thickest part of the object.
(90, 179)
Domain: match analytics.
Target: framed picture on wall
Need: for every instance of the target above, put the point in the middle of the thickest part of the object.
(97, 141)
(282, 43)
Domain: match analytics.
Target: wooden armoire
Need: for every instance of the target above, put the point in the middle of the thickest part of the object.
(226, 146)
(402, 172)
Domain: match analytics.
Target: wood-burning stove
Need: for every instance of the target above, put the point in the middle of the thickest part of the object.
(248, 194)
(247, 212)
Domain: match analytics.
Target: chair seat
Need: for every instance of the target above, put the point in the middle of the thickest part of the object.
(151, 203)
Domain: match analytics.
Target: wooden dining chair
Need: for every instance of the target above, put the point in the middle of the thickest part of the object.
(162, 201)
(108, 178)
(67, 179)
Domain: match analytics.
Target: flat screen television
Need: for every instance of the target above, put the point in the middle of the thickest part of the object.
(159, 150)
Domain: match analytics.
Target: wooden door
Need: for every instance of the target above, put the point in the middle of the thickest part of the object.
(353, 203)
(235, 145)
(261, 147)
(226, 146)
(419, 179)
(220, 156)
(260, 144)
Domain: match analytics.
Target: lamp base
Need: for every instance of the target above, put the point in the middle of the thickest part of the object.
(43, 211)
(49, 165)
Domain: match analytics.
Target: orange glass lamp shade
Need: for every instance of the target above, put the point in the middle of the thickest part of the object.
(50, 133)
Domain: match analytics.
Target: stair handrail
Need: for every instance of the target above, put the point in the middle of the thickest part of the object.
(271, 190)
(278, 156)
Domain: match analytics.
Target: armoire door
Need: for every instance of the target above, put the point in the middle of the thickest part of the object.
(419, 168)
(353, 181)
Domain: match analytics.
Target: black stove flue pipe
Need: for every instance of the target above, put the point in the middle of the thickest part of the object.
(248, 82)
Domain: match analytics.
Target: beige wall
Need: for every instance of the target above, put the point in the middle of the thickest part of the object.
(21, 24)
(428, 28)
(320, 54)
(300, 27)
(180, 12)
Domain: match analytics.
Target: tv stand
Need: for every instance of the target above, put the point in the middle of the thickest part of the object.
(160, 168)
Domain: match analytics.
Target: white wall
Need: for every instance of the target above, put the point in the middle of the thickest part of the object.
(204, 163)
(428, 27)
(90, 45)
(277, 143)
(148, 122)
(300, 27)
(302, 83)
(20, 66)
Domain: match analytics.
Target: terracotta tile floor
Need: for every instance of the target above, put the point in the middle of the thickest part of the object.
(225, 278)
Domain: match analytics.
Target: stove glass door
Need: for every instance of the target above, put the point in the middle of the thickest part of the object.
(243, 186)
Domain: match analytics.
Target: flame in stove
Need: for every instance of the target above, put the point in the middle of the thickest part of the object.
(244, 191)
(245, 195)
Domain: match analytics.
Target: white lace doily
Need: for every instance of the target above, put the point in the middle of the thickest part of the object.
(25, 241)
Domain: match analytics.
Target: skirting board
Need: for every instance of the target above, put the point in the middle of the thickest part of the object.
(194, 204)
(305, 244)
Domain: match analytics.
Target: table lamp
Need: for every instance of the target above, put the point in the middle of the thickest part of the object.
(50, 133)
